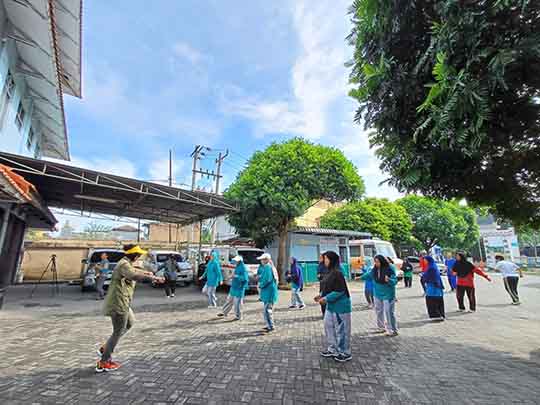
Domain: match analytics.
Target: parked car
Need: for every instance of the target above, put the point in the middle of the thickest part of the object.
(156, 258)
(226, 254)
(89, 269)
(415, 261)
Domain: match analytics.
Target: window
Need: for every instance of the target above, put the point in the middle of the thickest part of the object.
(250, 256)
(7, 94)
(10, 86)
(19, 119)
(355, 251)
(37, 153)
(385, 249)
(369, 250)
(30, 140)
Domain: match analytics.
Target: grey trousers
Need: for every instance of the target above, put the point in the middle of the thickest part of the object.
(100, 283)
(122, 323)
(235, 302)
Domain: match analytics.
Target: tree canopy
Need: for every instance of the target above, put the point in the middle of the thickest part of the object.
(281, 182)
(438, 222)
(451, 90)
(529, 237)
(380, 217)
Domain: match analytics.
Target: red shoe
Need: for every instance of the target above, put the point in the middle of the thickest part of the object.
(106, 366)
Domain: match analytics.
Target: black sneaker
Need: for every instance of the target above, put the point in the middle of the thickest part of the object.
(343, 358)
(327, 353)
(301, 307)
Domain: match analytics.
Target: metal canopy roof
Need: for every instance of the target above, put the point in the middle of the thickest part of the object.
(331, 232)
(89, 191)
(47, 37)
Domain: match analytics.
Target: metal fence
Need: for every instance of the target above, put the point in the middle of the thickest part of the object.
(309, 271)
(533, 262)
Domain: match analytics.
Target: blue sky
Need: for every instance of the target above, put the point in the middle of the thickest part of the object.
(229, 75)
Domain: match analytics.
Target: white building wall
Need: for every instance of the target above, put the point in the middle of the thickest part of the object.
(12, 138)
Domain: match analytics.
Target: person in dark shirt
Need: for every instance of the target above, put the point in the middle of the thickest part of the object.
(322, 270)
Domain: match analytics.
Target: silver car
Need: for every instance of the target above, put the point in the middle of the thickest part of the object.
(89, 269)
(157, 258)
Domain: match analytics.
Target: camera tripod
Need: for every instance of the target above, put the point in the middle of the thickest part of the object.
(52, 267)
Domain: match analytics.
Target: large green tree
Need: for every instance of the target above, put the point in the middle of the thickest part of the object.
(530, 237)
(451, 90)
(281, 182)
(438, 222)
(380, 217)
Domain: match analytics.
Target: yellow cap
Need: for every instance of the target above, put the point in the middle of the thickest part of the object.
(136, 250)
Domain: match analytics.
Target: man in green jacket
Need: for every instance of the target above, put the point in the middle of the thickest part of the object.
(118, 302)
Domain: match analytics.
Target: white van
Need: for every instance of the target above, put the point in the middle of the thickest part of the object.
(362, 248)
(226, 254)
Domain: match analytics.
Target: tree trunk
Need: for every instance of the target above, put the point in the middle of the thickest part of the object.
(282, 252)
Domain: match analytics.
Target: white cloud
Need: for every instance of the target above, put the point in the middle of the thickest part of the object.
(187, 52)
(318, 77)
(143, 113)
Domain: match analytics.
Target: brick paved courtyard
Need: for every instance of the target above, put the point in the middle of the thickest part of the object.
(179, 352)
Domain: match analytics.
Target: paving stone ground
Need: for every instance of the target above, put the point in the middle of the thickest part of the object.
(180, 353)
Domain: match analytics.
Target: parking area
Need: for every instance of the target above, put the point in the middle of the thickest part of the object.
(180, 352)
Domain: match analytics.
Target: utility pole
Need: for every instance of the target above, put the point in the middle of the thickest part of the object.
(196, 157)
(219, 162)
(170, 185)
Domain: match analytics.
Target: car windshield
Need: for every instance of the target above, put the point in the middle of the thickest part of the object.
(385, 249)
(163, 257)
(250, 256)
(113, 257)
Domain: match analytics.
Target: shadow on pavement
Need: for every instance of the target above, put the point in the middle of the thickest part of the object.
(218, 375)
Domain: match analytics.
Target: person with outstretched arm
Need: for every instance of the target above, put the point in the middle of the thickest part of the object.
(465, 271)
(118, 303)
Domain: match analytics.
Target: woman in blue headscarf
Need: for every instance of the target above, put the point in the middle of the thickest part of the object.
(294, 276)
(239, 283)
(214, 278)
(434, 290)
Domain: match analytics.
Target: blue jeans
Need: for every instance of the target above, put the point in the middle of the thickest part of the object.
(296, 298)
(268, 315)
(212, 299)
(235, 302)
(337, 328)
(386, 317)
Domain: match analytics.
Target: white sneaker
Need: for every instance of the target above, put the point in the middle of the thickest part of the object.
(172, 295)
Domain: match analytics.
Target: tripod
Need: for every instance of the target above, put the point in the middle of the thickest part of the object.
(52, 267)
